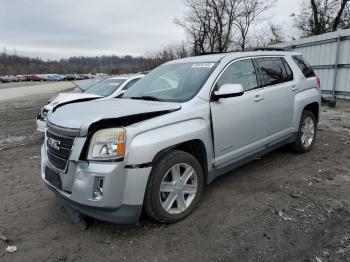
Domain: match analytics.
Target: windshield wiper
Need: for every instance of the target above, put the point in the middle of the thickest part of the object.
(77, 86)
(151, 98)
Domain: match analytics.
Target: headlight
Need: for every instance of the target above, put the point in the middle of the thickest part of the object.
(107, 144)
(44, 113)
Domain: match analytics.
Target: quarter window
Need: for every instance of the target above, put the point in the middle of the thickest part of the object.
(304, 66)
(240, 72)
(273, 70)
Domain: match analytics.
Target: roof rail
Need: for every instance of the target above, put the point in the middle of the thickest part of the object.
(210, 53)
(249, 49)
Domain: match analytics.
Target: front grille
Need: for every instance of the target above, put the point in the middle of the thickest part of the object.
(58, 149)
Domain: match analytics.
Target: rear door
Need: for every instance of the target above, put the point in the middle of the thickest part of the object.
(275, 98)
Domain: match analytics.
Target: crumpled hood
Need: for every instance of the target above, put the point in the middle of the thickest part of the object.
(68, 97)
(81, 115)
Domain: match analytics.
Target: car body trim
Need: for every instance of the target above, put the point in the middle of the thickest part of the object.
(216, 172)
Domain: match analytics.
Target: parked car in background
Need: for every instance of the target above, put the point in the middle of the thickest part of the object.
(46, 77)
(20, 78)
(81, 88)
(177, 129)
(5, 79)
(87, 76)
(34, 78)
(74, 77)
(113, 86)
(107, 88)
(57, 77)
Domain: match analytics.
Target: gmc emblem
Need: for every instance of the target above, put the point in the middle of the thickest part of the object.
(53, 143)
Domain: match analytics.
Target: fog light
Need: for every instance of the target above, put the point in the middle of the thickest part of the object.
(97, 192)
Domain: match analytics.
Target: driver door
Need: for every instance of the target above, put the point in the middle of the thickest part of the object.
(233, 118)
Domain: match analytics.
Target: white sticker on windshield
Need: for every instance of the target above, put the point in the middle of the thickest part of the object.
(203, 65)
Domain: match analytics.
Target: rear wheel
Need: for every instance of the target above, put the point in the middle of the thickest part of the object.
(306, 134)
(174, 187)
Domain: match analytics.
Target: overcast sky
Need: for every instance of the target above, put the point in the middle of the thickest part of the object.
(52, 29)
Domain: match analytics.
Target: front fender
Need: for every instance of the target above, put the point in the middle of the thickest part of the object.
(144, 146)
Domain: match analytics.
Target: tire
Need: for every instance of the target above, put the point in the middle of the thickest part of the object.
(301, 144)
(165, 199)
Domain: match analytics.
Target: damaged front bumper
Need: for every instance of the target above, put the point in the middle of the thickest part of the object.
(106, 191)
(41, 124)
(41, 120)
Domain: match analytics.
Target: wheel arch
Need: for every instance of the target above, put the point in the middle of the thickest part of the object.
(314, 108)
(195, 147)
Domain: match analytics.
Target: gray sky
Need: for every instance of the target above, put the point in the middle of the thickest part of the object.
(54, 29)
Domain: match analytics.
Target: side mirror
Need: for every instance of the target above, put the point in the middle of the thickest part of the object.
(228, 90)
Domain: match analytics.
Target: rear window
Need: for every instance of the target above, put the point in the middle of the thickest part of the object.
(304, 66)
(273, 70)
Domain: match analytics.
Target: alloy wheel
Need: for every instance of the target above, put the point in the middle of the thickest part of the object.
(307, 132)
(178, 188)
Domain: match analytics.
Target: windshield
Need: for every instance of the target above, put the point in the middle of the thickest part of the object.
(172, 82)
(105, 87)
(86, 85)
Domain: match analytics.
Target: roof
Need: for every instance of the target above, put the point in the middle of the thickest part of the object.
(200, 58)
(126, 76)
(231, 55)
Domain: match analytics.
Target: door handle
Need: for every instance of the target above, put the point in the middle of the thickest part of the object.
(294, 88)
(258, 98)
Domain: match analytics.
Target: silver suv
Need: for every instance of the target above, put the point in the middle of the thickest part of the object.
(185, 123)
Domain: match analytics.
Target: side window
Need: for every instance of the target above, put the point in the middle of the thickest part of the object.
(126, 87)
(303, 66)
(240, 72)
(274, 70)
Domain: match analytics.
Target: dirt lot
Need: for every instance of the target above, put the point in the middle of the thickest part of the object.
(283, 207)
(26, 89)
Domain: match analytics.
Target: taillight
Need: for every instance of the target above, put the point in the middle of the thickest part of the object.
(318, 81)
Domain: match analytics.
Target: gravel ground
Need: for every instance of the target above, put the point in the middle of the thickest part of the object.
(282, 207)
(34, 83)
(21, 84)
(28, 92)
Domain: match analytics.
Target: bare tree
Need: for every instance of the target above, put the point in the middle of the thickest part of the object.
(168, 53)
(270, 35)
(249, 13)
(209, 24)
(221, 25)
(322, 16)
(276, 34)
(11, 64)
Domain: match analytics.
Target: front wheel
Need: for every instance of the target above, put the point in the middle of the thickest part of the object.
(306, 134)
(174, 187)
